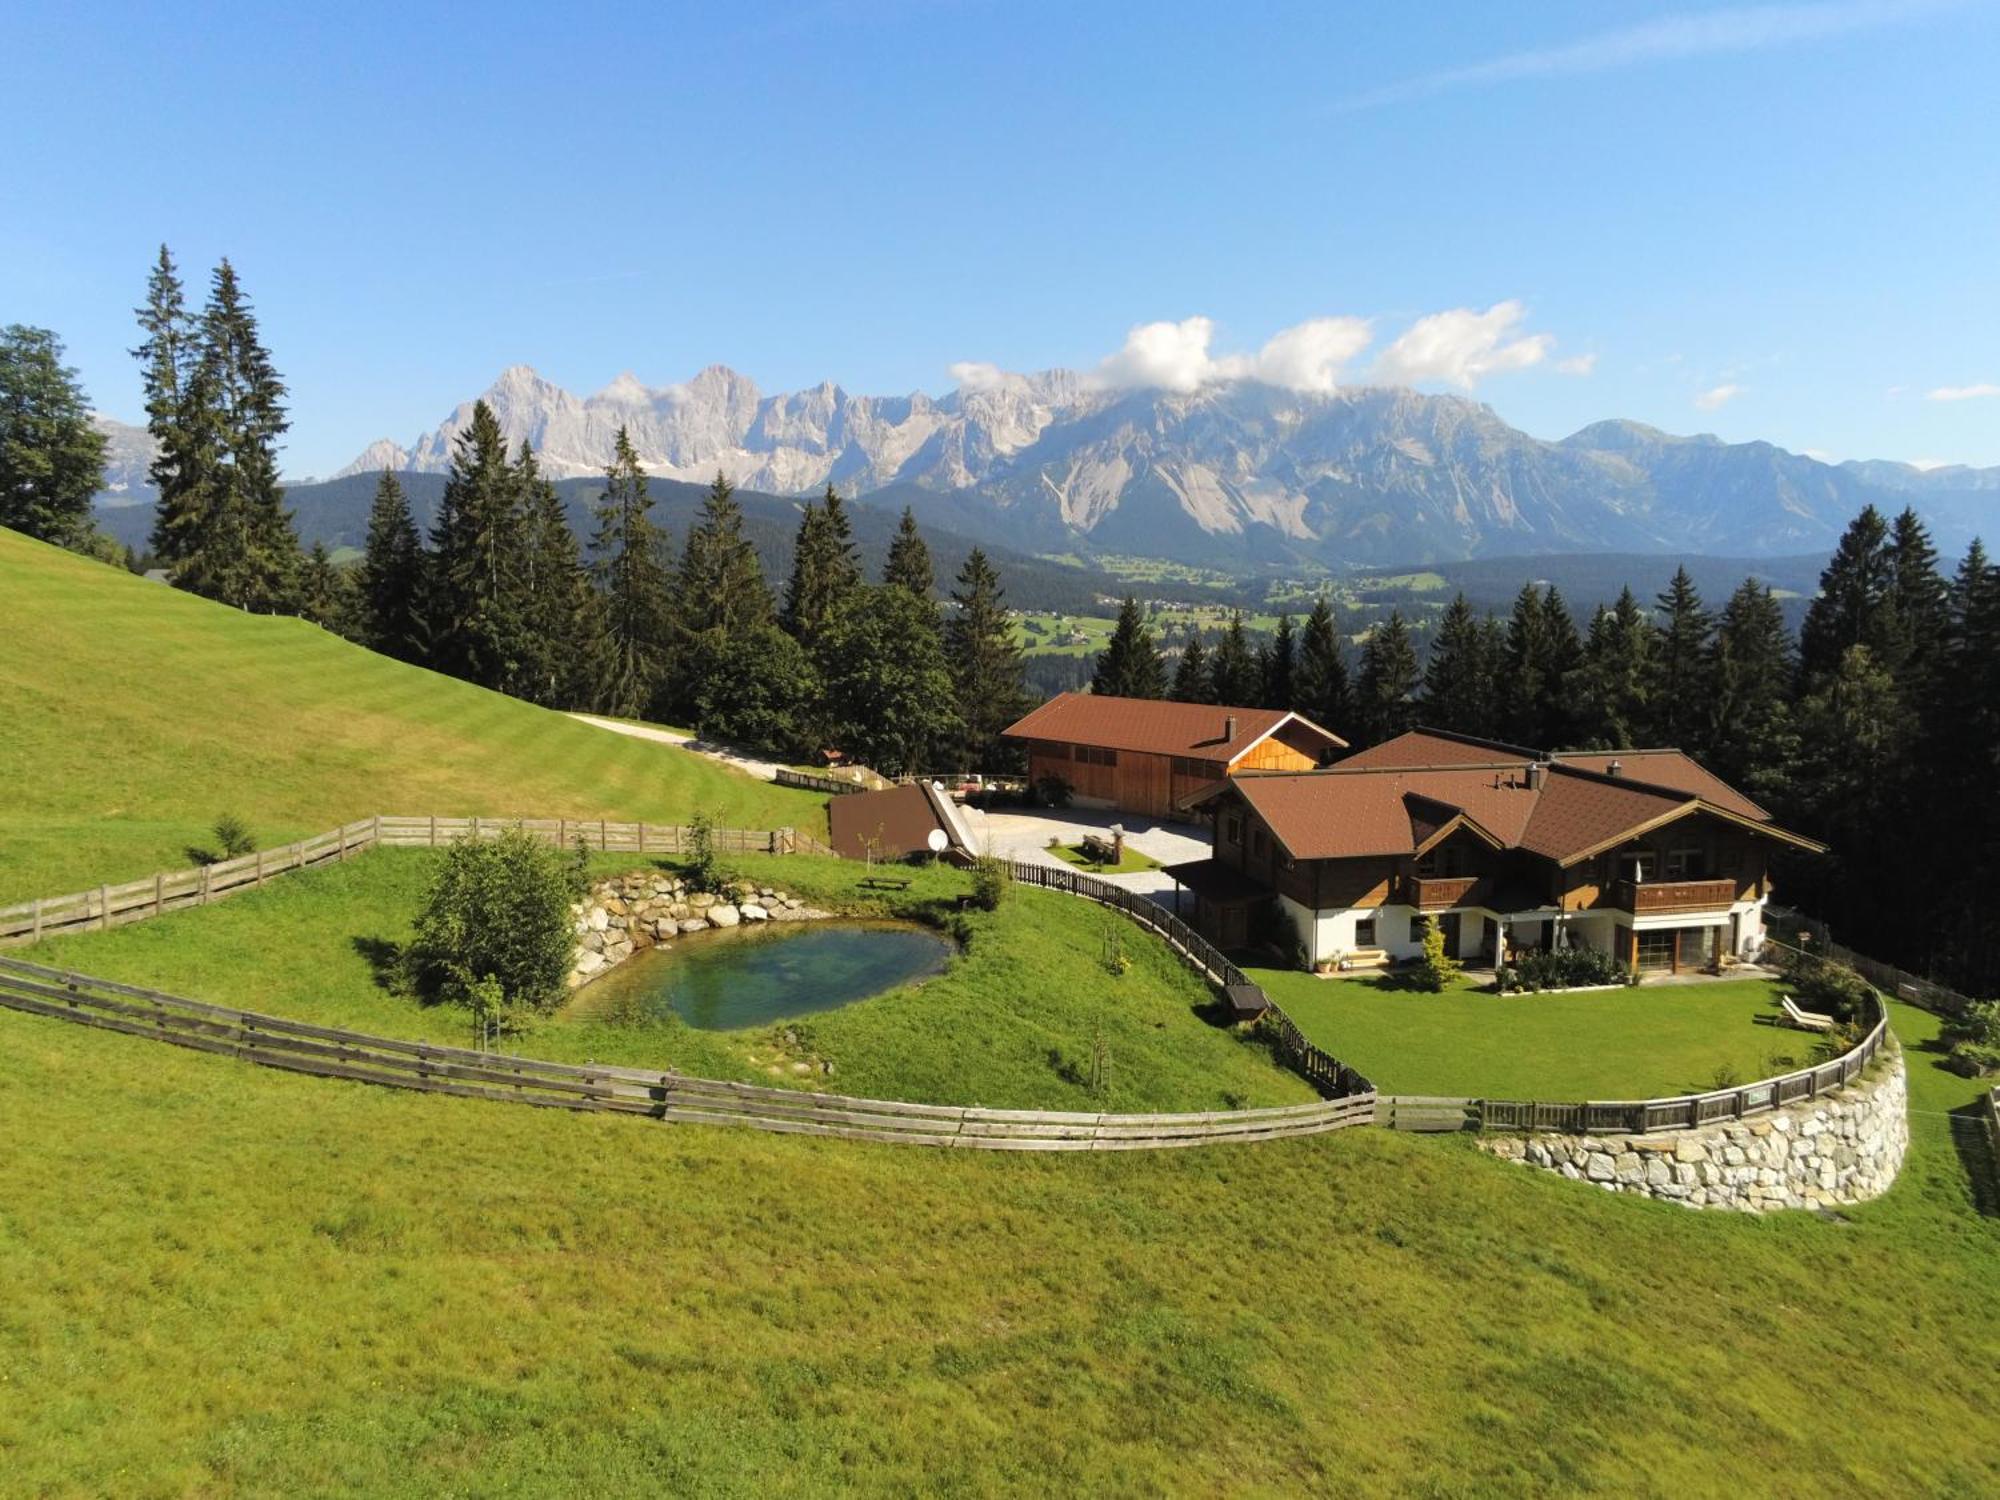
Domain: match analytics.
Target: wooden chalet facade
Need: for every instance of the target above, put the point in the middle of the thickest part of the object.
(1643, 854)
(1145, 756)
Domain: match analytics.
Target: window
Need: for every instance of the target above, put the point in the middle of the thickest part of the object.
(1051, 750)
(1257, 842)
(1685, 864)
(1364, 933)
(1638, 865)
(1092, 755)
(1232, 829)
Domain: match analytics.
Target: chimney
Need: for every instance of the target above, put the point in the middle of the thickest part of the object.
(1616, 768)
(1536, 771)
(1229, 729)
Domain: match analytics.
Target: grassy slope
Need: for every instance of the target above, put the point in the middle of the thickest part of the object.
(283, 1284)
(134, 714)
(1601, 1044)
(1010, 1024)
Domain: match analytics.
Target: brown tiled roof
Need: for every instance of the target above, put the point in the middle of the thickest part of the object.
(1154, 727)
(1345, 812)
(1675, 770)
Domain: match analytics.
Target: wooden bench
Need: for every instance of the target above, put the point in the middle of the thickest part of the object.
(1364, 958)
(1805, 1020)
(885, 883)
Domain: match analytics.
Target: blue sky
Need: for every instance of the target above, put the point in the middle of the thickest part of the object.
(1774, 221)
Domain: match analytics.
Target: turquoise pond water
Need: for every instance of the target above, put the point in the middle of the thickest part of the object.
(751, 976)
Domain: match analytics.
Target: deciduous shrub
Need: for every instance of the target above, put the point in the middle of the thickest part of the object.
(1975, 1040)
(1562, 969)
(700, 868)
(496, 933)
(1824, 985)
(1052, 791)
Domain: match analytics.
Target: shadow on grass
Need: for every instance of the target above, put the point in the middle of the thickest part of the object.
(385, 962)
(1974, 1144)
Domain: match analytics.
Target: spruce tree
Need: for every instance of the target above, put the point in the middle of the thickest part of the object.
(1280, 667)
(889, 691)
(51, 457)
(1683, 688)
(325, 592)
(240, 546)
(1854, 607)
(1233, 675)
(720, 584)
(1130, 666)
(1324, 694)
(988, 672)
(823, 568)
(1191, 680)
(1751, 739)
(1919, 601)
(1388, 681)
(909, 565)
(630, 573)
(1461, 678)
(476, 590)
(391, 580)
(563, 653)
(1618, 675)
(182, 454)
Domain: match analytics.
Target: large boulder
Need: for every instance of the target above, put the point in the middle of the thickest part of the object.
(723, 915)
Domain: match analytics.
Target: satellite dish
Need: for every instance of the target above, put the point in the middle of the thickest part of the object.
(937, 840)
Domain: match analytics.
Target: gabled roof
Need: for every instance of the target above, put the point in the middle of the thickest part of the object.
(1563, 811)
(1674, 770)
(1155, 727)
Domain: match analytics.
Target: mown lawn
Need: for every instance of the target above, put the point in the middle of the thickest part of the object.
(226, 1281)
(1012, 1023)
(134, 714)
(1599, 1044)
(1130, 861)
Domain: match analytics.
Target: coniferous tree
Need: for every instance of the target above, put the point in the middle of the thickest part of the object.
(240, 547)
(1542, 655)
(1384, 706)
(1130, 666)
(183, 449)
(720, 584)
(1919, 600)
(630, 573)
(909, 565)
(823, 568)
(1280, 668)
(1324, 693)
(51, 457)
(1191, 680)
(1683, 688)
(475, 594)
(390, 587)
(988, 671)
(1617, 675)
(564, 652)
(1461, 678)
(889, 691)
(1563, 661)
(1233, 675)
(1751, 738)
(325, 594)
(1854, 607)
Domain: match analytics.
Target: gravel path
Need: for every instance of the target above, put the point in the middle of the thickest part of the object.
(764, 770)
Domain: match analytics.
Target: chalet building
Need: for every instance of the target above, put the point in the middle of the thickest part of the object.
(895, 822)
(1640, 853)
(1146, 756)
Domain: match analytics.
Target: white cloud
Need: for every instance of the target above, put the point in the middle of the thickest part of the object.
(1817, 455)
(1462, 347)
(1963, 392)
(1310, 357)
(1930, 463)
(979, 375)
(1577, 364)
(1669, 39)
(1716, 397)
(1169, 357)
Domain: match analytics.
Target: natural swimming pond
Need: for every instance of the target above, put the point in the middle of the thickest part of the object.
(752, 976)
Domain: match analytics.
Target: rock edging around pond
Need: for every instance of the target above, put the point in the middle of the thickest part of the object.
(631, 913)
(1842, 1147)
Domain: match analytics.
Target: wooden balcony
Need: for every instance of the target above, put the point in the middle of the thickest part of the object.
(1651, 897)
(1442, 892)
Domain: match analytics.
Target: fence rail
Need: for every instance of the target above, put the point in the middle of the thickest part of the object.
(813, 782)
(274, 1042)
(1318, 1067)
(137, 900)
(1927, 994)
(1636, 1116)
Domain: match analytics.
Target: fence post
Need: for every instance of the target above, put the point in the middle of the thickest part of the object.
(603, 833)
(475, 828)
(376, 836)
(260, 867)
(562, 832)
(104, 906)
(434, 830)
(642, 836)
(205, 884)
(159, 894)
(38, 920)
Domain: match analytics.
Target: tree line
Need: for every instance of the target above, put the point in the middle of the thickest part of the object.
(1876, 729)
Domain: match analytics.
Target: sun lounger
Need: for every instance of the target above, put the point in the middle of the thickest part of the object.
(1805, 1020)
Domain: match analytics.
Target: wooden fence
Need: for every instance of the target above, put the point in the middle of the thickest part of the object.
(1926, 994)
(1320, 1068)
(274, 1042)
(1636, 1116)
(811, 782)
(138, 900)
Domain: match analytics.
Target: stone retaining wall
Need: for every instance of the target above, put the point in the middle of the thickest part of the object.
(630, 913)
(1843, 1147)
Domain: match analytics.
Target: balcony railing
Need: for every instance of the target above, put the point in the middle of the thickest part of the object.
(1648, 897)
(1442, 892)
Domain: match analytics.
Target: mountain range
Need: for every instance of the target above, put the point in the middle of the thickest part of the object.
(1237, 475)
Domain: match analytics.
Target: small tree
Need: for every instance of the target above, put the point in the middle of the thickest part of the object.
(1436, 968)
(990, 881)
(700, 868)
(496, 933)
(233, 837)
(1974, 1039)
